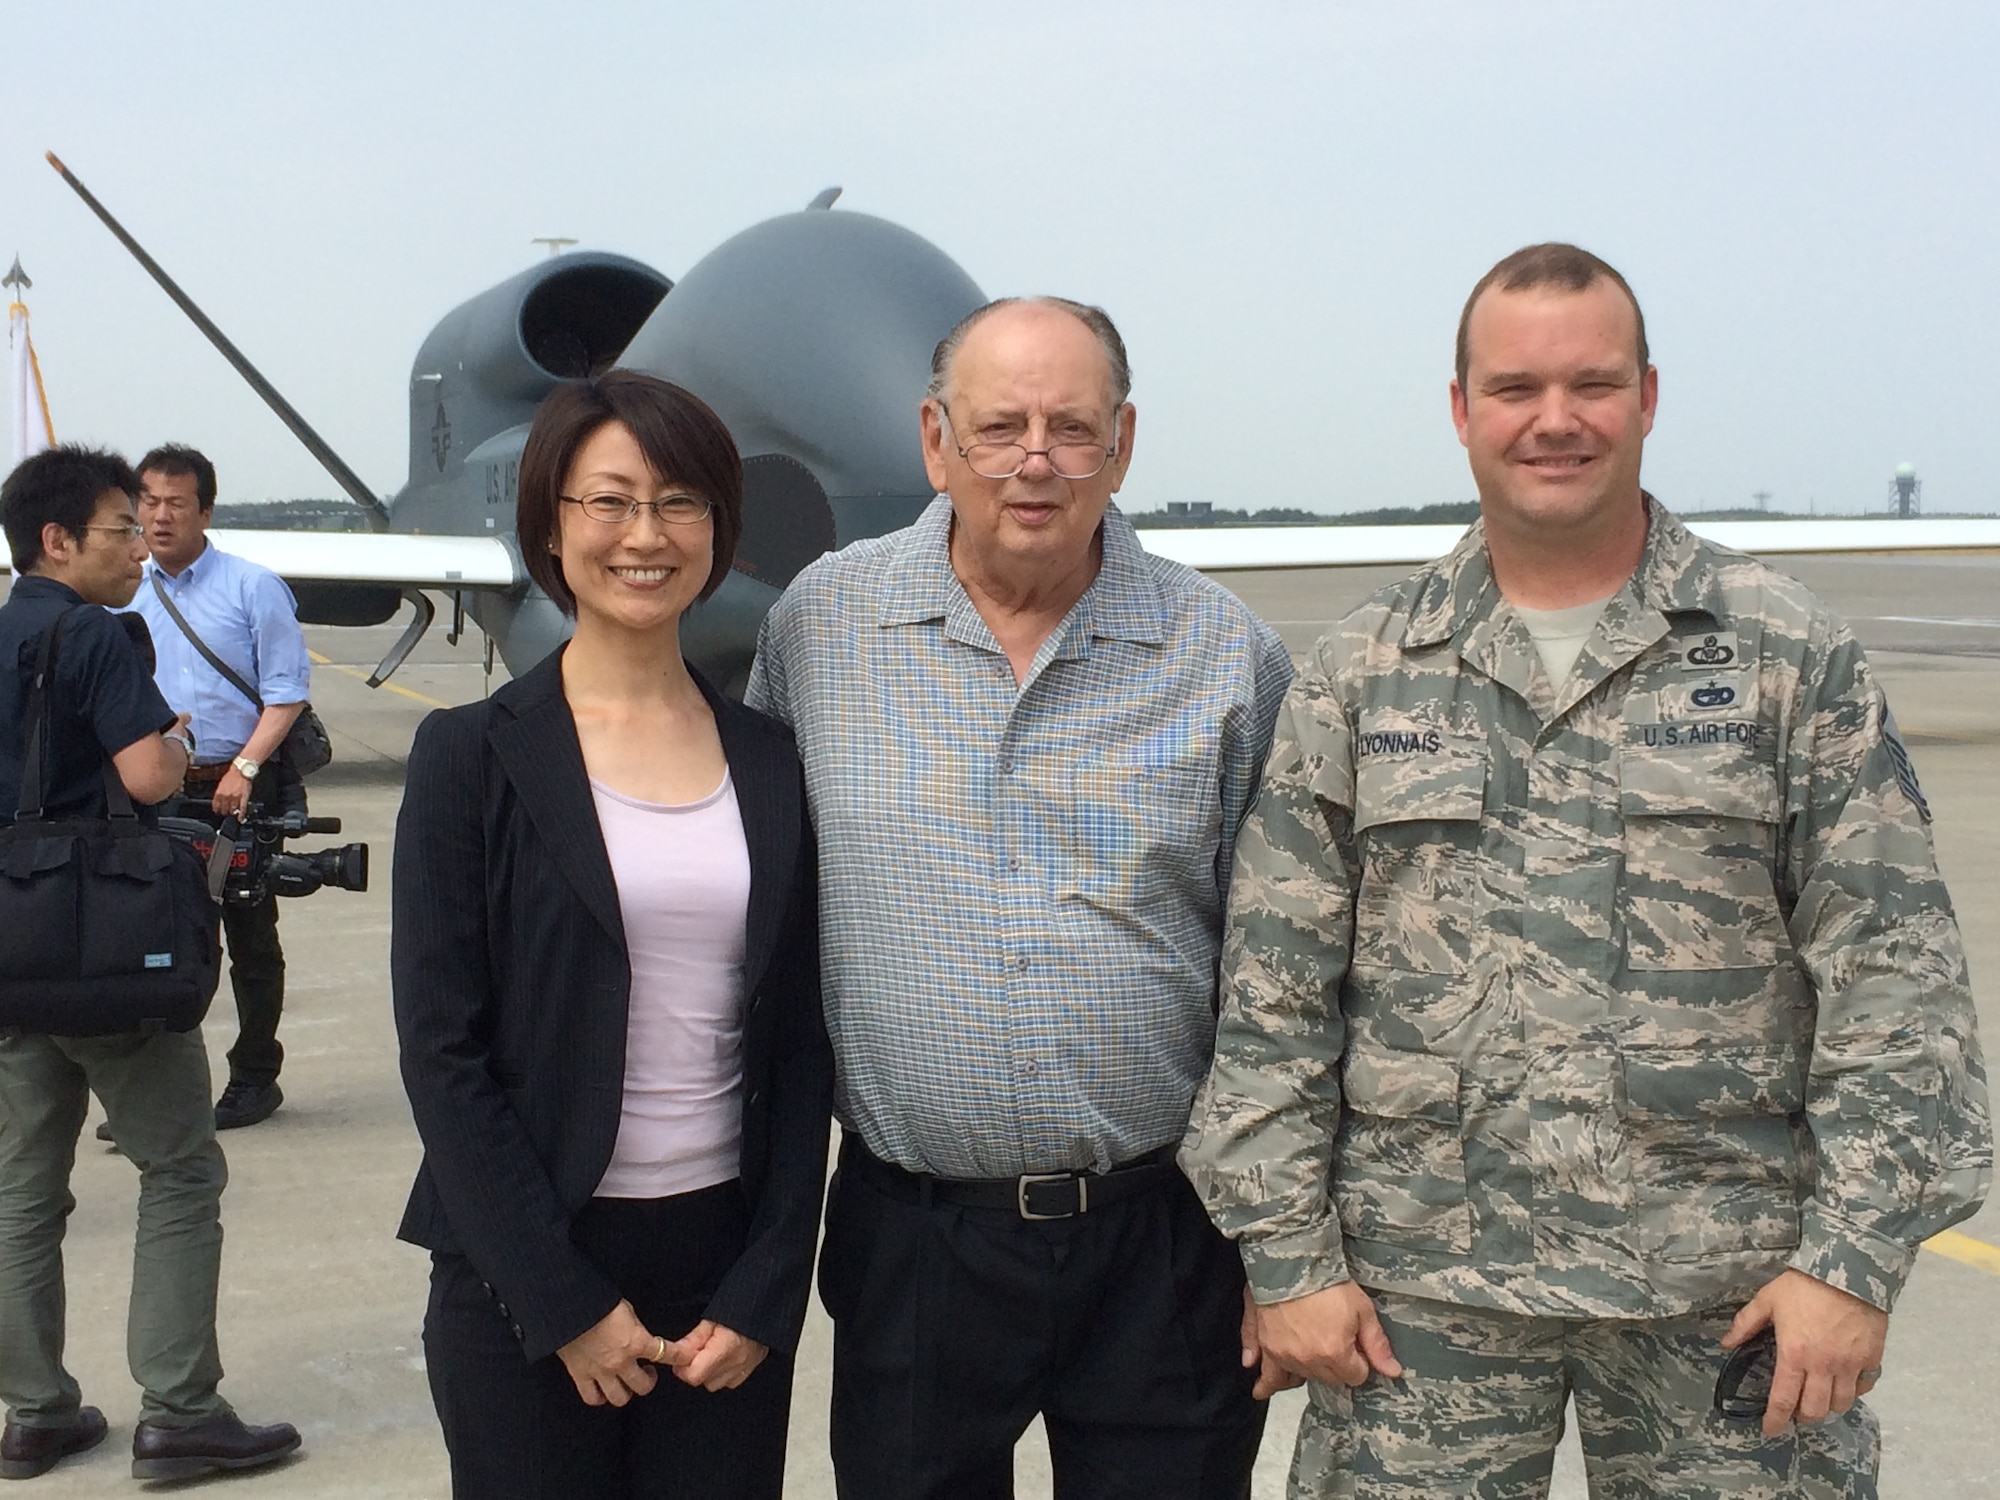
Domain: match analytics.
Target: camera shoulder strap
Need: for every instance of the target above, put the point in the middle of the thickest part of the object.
(229, 673)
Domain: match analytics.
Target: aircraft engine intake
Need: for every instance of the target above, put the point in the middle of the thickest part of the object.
(572, 322)
(489, 362)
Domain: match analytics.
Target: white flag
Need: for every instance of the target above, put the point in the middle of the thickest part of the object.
(32, 430)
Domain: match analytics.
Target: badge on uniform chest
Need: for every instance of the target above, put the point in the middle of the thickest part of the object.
(1712, 651)
(1703, 697)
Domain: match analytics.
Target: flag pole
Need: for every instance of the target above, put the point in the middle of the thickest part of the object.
(29, 439)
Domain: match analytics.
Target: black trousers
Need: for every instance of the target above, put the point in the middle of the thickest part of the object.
(257, 978)
(250, 934)
(519, 1431)
(954, 1326)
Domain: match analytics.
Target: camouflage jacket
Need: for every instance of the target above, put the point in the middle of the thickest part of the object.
(1605, 1000)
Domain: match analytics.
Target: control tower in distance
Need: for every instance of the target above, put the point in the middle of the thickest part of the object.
(1906, 491)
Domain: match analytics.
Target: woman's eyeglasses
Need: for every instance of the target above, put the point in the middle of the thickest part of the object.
(616, 510)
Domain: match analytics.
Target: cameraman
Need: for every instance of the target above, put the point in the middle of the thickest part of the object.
(69, 521)
(246, 616)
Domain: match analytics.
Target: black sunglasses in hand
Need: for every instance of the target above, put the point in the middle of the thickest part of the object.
(1743, 1389)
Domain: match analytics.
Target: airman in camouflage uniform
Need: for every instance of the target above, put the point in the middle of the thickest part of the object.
(1568, 1018)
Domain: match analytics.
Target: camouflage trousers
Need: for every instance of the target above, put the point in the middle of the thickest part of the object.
(1479, 1411)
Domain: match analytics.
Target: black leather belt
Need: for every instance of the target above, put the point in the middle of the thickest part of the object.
(1033, 1195)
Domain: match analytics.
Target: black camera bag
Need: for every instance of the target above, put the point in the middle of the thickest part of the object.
(106, 924)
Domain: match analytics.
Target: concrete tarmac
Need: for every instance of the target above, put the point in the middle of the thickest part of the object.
(321, 1307)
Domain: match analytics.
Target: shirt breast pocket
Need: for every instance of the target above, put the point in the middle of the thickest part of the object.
(1701, 837)
(1138, 829)
(1417, 829)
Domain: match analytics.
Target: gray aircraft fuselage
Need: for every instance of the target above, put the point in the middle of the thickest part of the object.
(809, 334)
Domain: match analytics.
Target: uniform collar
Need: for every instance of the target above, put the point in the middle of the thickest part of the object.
(1122, 602)
(1675, 576)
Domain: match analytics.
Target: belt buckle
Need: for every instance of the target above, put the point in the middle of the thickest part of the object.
(1033, 1179)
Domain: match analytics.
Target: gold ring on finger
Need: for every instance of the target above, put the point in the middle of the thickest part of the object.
(659, 1349)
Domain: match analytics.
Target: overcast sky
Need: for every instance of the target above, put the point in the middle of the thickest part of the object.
(1282, 204)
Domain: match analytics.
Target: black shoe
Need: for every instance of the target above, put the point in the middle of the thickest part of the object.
(246, 1103)
(219, 1443)
(28, 1451)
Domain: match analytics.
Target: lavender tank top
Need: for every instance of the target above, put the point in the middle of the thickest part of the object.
(683, 875)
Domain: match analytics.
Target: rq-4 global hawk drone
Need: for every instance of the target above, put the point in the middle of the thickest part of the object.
(811, 335)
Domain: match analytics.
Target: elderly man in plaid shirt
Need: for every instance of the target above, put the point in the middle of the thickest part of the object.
(1028, 746)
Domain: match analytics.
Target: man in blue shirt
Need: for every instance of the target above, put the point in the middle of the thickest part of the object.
(76, 546)
(247, 617)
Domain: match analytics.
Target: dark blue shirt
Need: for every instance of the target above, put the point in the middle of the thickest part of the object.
(102, 698)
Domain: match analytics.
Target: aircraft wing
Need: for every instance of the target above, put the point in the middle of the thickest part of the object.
(424, 562)
(1218, 548)
(399, 560)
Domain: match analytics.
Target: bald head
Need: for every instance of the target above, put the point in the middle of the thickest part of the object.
(1033, 316)
(1027, 430)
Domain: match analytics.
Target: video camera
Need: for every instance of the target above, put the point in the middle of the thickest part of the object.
(260, 866)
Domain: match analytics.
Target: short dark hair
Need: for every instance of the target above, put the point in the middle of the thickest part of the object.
(176, 459)
(61, 485)
(1553, 264)
(684, 441)
(1096, 319)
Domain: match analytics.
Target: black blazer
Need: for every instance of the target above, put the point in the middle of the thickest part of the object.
(510, 978)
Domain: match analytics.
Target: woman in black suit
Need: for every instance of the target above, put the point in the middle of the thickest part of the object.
(606, 989)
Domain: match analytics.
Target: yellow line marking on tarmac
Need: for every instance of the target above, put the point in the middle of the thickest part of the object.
(397, 688)
(1964, 1249)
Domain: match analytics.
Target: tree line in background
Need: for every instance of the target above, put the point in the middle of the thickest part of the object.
(291, 515)
(344, 515)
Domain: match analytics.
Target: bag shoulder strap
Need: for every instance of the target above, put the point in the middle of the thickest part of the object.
(34, 753)
(34, 728)
(230, 674)
(117, 800)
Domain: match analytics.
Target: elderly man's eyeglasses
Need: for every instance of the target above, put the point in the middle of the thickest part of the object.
(129, 531)
(1005, 460)
(616, 510)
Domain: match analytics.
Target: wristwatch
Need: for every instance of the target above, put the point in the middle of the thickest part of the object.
(182, 738)
(246, 767)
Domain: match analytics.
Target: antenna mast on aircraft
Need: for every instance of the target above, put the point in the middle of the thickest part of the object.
(557, 243)
(370, 503)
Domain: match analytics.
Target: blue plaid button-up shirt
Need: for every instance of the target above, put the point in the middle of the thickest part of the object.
(1021, 888)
